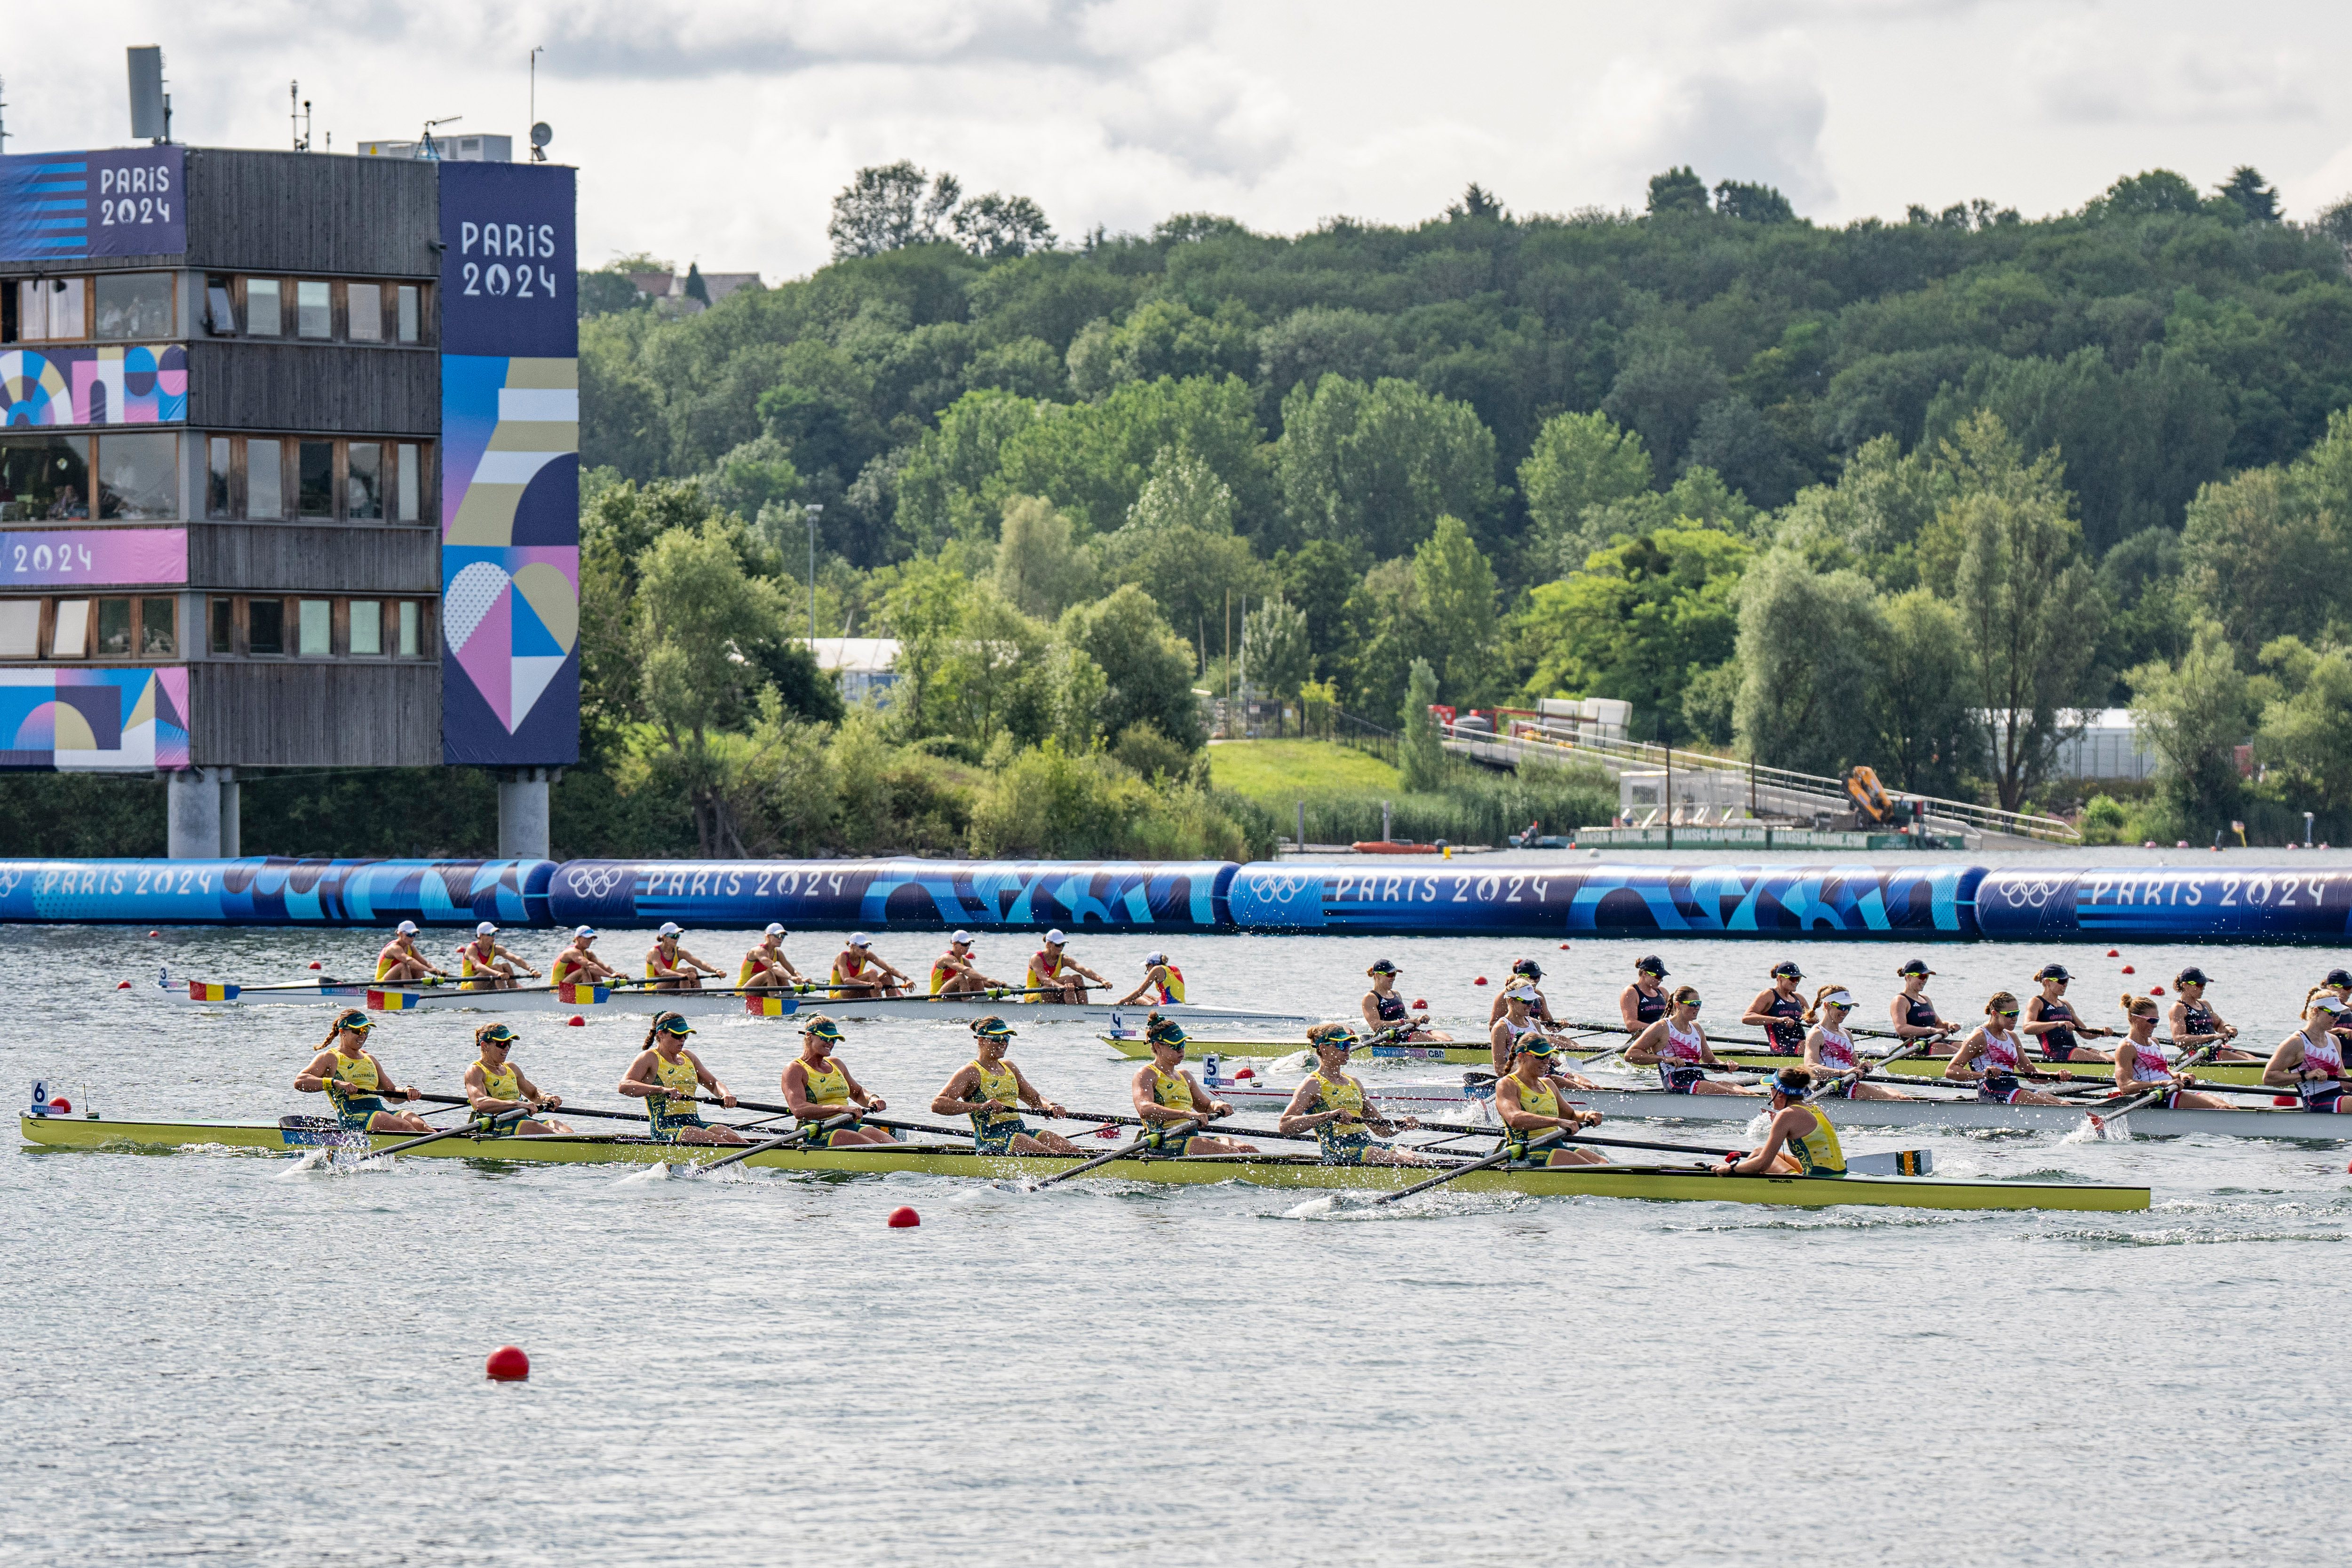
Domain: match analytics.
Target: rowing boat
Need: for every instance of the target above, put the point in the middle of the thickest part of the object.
(1672, 1183)
(1131, 1045)
(1933, 1068)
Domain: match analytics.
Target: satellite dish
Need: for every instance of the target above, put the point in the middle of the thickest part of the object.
(540, 135)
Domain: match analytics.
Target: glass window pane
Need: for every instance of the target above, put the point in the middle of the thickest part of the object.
(364, 486)
(365, 312)
(20, 628)
(44, 477)
(133, 305)
(316, 496)
(264, 480)
(367, 625)
(114, 628)
(158, 632)
(220, 312)
(317, 623)
(223, 639)
(409, 313)
(62, 297)
(265, 626)
(138, 476)
(32, 311)
(314, 308)
(71, 636)
(216, 472)
(408, 625)
(412, 495)
(262, 317)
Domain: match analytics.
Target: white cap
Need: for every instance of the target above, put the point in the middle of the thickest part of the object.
(2329, 1004)
(582, 932)
(1838, 999)
(1055, 938)
(1149, 959)
(485, 929)
(963, 937)
(1521, 992)
(774, 930)
(670, 927)
(859, 939)
(406, 927)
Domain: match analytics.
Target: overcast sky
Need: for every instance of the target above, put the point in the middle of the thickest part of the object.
(718, 129)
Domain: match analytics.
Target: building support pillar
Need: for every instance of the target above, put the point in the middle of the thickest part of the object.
(232, 814)
(523, 812)
(193, 809)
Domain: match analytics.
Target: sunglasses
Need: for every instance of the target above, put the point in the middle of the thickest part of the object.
(2006, 1013)
(1693, 1005)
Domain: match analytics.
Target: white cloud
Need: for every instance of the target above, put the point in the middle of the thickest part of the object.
(1760, 120)
(2106, 68)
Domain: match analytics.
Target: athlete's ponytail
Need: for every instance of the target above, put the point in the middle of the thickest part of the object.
(2140, 1006)
(2307, 998)
(2001, 999)
(1813, 1012)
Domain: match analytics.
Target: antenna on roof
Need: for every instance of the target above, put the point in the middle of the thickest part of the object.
(540, 134)
(299, 113)
(151, 106)
(426, 149)
(4, 117)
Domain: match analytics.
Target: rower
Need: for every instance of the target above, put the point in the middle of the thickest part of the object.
(1912, 1013)
(818, 1088)
(355, 1081)
(1997, 1045)
(1519, 1022)
(2194, 1022)
(670, 966)
(953, 972)
(853, 966)
(1526, 1099)
(1677, 1048)
(577, 965)
(2144, 1064)
(1384, 1010)
(665, 1075)
(1781, 1010)
(1163, 984)
(1829, 1047)
(2340, 983)
(992, 1091)
(2049, 1016)
(1054, 977)
(398, 960)
(2311, 1060)
(1803, 1130)
(1334, 1108)
(1171, 1103)
(1525, 971)
(1643, 1003)
(483, 965)
(765, 967)
(494, 1086)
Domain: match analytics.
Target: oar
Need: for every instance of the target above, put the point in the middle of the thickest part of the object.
(796, 1135)
(1122, 1151)
(1105, 1118)
(459, 1131)
(1498, 1157)
(1859, 1074)
(2096, 1121)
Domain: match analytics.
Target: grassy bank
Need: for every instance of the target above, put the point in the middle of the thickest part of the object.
(1342, 789)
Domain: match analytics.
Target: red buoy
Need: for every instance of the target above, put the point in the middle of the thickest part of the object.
(2155, 990)
(60, 1106)
(1245, 1072)
(1480, 980)
(576, 1022)
(123, 985)
(154, 933)
(316, 964)
(1563, 946)
(1420, 1002)
(2112, 952)
(904, 1219)
(509, 1364)
(2129, 970)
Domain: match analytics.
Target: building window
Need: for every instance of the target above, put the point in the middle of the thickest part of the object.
(140, 476)
(303, 629)
(314, 308)
(409, 487)
(218, 471)
(314, 495)
(264, 480)
(114, 628)
(360, 481)
(43, 479)
(69, 633)
(364, 486)
(265, 626)
(263, 317)
(159, 628)
(20, 628)
(366, 312)
(410, 628)
(410, 313)
(220, 310)
(367, 628)
(50, 309)
(133, 305)
(316, 623)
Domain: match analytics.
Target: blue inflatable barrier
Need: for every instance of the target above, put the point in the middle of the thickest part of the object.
(912, 894)
(1699, 900)
(2255, 903)
(264, 891)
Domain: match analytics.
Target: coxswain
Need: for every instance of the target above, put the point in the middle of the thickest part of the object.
(954, 973)
(483, 965)
(398, 960)
(1677, 1048)
(1519, 1022)
(1163, 984)
(1830, 1049)
(1998, 1047)
(670, 966)
(2050, 1017)
(1643, 1003)
(992, 1091)
(2145, 1064)
(665, 1076)
(818, 1088)
(1525, 971)
(1054, 977)
(860, 974)
(1527, 1099)
(577, 964)
(494, 1086)
(1780, 1011)
(1798, 1142)
(2311, 1060)
(1171, 1103)
(1334, 1106)
(2194, 1022)
(1912, 1013)
(765, 967)
(355, 1081)
(1384, 1010)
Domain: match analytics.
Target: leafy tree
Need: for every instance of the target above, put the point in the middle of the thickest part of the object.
(1276, 640)
(752, 477)
(1162, 338)
(1751, 204)
(1179, 544)
(889, 206)
(2194, 715)
(1641, 620)
(1454, 584)
(2258, 554)
(1039, 567)
(1320, 577)
(1809, 652)
(1735, 441)
(1421, 753)
(820, 408)
(1321, 340)
(2155, 194)
(1678, 190)
(1579, 461)
(1661, 394)
(2245, 190)
(606, 290)
(1477, 202)
(1148, 668)
(2303, 733)
(1872, 518)
(946, 485)
(1377, 465)
(1930, 740)
(988, 678)
(1093, 460)
(1000, 225)
(694, 288)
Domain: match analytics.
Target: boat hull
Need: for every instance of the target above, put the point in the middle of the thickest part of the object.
(1671, 1184)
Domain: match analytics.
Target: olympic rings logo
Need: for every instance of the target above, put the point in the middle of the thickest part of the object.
(1281, 889)
(2031, 894)
(599, 881)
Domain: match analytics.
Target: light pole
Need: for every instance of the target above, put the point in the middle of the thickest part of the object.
(809, 514)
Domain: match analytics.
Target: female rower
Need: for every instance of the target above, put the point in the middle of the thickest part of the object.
(1056, 976)
(1530, 1106)
(485, 966)
(354, 1081)
(1527, 972)
(1800, 1128)
(1829, 1048)
(494, 1086)
(1163, 983)
(665, 1075)
(1913, 1014)
(1384, 1010)
(1519, 1022)
(2142, 1064)
(670, 966)
(1781, 1010)
(1677, 1048)
(577, 965)
(764, 965)
(2311, 1060)
(818, 1088)
(859, 974)
(1171, 1103)
(953, 972)
(1643, 1003)
(2194, 1022)
(1334, 1106)
(990, 1090)
(1997, 1045)
(399, 961)
(2049, 1017)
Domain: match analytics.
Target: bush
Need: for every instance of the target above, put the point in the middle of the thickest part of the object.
(1049, 804)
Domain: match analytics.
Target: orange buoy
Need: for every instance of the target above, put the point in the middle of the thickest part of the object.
(509, 1364)
(904, 1219)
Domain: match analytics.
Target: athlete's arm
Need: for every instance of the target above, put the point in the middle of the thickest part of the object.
(1760, 1161)
(1958, 1069)
(313, 1080)
(637, 1082)
(2285, 1069)
(1297, 1118)
(955, 1096)
(1629, 1009)
(1643, 1051)
(1757, 1010)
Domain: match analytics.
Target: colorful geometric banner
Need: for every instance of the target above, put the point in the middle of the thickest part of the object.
(65, 557)
(94, 720)
(127, 384)
(54, 206)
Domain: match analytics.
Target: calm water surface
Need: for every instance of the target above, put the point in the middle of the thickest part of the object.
(222, 1357)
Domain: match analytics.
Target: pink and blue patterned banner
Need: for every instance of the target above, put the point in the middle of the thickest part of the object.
(125, 384)
(94, 720)
(51, 558)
